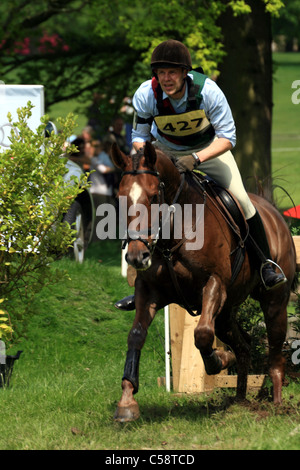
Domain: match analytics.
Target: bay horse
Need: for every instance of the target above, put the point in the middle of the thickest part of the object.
(203, 276)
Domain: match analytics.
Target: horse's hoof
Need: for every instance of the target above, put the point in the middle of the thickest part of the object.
(125, 414)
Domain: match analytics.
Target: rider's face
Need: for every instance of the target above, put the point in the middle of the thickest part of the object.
(172, 81)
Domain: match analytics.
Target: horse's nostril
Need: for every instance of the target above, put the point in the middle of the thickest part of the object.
(140, 260)
(145, 256)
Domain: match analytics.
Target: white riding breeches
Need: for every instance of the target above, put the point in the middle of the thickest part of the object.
(224, 171)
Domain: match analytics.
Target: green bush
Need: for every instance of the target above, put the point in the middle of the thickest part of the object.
(34, 196)
(251, 319)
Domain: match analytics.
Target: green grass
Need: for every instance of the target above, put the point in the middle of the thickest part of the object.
(286, 130)
(67, 382)
(62, 109)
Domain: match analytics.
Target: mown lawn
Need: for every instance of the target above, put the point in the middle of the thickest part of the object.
(67, 382)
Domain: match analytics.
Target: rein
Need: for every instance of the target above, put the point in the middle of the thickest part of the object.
(165, 252)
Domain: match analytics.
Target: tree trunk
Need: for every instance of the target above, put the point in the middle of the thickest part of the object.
(246, 79)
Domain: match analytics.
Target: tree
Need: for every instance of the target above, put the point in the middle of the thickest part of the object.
(246, 79)
(105, 46)
(286, 27)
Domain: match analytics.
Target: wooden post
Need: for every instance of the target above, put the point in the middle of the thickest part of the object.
(296, 239)
(188, 370)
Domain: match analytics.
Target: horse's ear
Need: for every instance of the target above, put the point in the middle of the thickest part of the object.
(118, 157)
(150, 153)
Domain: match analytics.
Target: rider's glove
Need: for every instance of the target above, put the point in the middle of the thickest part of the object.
(188, 162)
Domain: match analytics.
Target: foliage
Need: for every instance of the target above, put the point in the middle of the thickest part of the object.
(251, 319)
(34, 196)
(5, 327)
(107, 52)
(287, 24)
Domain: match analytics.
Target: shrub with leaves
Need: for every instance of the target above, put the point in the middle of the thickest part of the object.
(34, 196)
(5, 327)
(251, 319)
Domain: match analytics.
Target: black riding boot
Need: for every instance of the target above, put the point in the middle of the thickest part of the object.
(126, 304)
(260, 245)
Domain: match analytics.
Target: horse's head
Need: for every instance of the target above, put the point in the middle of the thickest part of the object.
(140, 186)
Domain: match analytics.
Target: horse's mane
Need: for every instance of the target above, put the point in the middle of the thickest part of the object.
(136, 159)
(162, 153)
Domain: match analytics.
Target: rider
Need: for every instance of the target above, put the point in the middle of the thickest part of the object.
(202, 137)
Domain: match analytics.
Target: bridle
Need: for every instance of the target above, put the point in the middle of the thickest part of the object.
(161, 199)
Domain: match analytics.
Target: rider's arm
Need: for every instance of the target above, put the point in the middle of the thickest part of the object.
(145, 108)
(216, 148)
(220, 116)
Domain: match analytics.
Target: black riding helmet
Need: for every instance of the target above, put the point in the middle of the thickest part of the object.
(171, 53)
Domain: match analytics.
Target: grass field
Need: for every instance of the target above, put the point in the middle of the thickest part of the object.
(286, 129)
(67, 382)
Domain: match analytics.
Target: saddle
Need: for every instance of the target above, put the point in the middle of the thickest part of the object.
(232, 213)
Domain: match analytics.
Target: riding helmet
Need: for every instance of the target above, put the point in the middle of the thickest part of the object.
(171, 53)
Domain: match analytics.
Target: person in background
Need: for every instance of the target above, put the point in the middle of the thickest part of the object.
(80, 157)
(87, 134)
(115, 135)
(102, 173)
(102, 178)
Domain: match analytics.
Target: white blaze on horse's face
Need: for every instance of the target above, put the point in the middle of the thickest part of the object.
(135, 193)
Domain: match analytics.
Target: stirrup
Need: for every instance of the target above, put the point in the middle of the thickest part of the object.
(270, 261)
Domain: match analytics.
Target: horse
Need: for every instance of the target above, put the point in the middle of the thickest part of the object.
(171, 271)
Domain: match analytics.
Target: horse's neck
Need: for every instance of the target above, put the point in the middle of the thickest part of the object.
(169, 175)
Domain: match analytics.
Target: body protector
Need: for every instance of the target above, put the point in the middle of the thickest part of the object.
(190, 128)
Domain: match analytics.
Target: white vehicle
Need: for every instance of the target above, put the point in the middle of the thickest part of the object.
(81, 214)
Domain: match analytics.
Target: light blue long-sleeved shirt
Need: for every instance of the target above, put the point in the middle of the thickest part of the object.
(214, 104)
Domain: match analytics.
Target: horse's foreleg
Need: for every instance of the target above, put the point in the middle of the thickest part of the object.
(276, 323)
(128, 409)
(214, 295)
